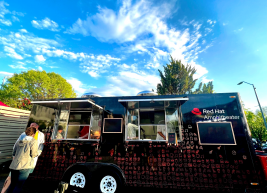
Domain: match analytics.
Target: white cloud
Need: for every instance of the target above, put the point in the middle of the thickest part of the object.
(3, 9)
(23, 30)
(95, 65)
(18, 44)
(40, 68)
(18, 13)
(2, 73)
(124, 66)
(201, 71)
(207, 31)
(127, 24)
(12, 53)
(39, 58)
(14, 18)
(224, 24)
(239, 30)
(145, 28)
(119, 85)
(45, 24)
(18, 66)
(205, 80)
(53, 67)
(78, 86)
(6, 22)
(151, 65)
(211, 22)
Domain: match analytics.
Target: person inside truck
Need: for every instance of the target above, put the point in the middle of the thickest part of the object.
(132, 131)
(60, 134)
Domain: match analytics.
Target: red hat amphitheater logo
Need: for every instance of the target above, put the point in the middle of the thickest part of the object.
(196, 111)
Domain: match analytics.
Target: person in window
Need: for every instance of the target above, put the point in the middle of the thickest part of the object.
(24, 152)
(132, 131)
(60, 134)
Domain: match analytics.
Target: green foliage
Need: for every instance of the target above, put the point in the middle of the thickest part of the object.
(256, 125)
(264, 109)
(34, 85)
(204, 88)
(176, 79)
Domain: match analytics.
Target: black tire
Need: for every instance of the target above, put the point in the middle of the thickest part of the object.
(78, 180)
(109, 182)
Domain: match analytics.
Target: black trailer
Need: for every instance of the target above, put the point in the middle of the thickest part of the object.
(192, 142)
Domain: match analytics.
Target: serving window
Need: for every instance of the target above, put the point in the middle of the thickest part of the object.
(152, 116)
(78, 125)
(78, 121)
(152, 120)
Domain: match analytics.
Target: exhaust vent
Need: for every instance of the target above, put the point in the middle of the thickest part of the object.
(147, 93)
(90, 95)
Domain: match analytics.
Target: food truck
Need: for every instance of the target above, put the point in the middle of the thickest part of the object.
(188, 142)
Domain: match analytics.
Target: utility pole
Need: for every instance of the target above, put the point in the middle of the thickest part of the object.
(257, 100)
(3, 82)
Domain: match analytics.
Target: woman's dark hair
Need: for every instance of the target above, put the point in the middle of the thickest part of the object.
(30, 131)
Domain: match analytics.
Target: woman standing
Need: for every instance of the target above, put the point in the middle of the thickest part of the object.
(24, 152)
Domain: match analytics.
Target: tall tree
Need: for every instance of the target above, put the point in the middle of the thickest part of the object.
(264, 109)
(204, 88)
(34, 85)
(177, 78)
(256, 125)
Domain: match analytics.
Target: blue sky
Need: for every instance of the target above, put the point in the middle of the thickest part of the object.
(115, 48)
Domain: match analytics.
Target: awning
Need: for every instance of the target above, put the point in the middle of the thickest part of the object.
(3, 104)
(52, 103)
(182, 100)
(157, 99)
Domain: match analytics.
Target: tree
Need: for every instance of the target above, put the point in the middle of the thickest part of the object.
(256, 125)
(176, 79)
(204, 88)
(34, 85)
(264, 109)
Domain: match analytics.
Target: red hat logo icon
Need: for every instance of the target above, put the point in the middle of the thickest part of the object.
(196, 111)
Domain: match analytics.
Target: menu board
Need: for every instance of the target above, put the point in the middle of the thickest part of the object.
(172, 138)
(112, 125)
(216, 133)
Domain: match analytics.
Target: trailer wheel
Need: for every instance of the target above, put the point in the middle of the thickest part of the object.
(110, 182)
(78, 181)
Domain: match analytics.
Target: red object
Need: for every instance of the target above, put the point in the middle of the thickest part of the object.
(84, 131)
(196, 111)
(3, 104)
(263, 161)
